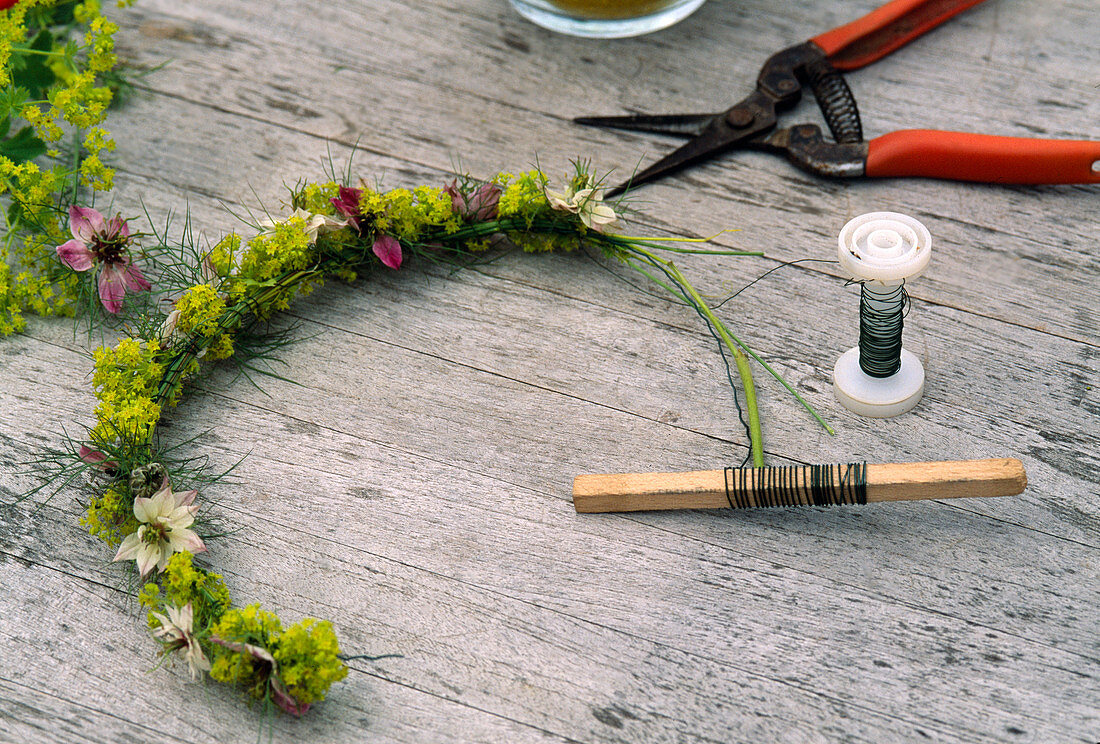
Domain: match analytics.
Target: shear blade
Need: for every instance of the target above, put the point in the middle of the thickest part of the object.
(678, 125)
(694, 150)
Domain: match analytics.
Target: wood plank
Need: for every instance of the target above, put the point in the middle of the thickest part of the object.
(517, 354)
(74, 686)
(414, 487)
(1074, 373)
(541, 543)
(467, 648)
(1019, 255)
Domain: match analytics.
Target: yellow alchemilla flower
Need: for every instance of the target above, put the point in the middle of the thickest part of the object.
(86, 11)
(129, 419)
(309, 661)
(184, 583)
(165, 519)
(524, 196)
(317, 197)
(108, 516)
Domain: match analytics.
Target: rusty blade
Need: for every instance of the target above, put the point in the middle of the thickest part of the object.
(734, 127)
(676, 125)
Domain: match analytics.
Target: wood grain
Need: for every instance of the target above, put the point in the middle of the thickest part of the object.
(412, 483)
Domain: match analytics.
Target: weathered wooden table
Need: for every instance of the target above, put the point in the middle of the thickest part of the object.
(415, 486)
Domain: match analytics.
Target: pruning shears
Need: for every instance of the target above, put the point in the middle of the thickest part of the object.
(818, 63)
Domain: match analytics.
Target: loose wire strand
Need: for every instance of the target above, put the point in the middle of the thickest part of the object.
(682, 293)
(679, 296)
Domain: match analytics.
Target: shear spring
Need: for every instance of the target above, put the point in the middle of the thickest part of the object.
(836, 101)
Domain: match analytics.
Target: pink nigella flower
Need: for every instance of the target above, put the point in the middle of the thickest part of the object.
(479, 205)
(263, 659)
(104, 242)
(347, 204)
(385, 247)
(97, 459)
(388, 251)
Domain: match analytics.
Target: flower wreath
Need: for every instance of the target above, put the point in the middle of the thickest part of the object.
(189, 307)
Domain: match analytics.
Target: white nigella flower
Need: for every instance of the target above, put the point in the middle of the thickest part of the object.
(165, 519)
(167, 331)
(314, 223)
(176, 632)
(586, 203)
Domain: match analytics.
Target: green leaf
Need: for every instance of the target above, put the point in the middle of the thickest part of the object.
(68, 54)
(22, 146)
(61, 14)
(12, 100)
(35, 74)
(5, 126)
(15, 213)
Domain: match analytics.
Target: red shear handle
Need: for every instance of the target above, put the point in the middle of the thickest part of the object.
(883, 30)
(957, 156)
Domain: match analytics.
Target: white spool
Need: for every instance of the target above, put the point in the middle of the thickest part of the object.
(881, 249)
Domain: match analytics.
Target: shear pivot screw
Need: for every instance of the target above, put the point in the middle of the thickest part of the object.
(739, 118)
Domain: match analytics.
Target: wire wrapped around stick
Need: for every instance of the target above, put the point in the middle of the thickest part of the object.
(796, 485)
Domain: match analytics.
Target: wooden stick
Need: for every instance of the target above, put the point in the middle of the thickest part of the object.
(754, 487)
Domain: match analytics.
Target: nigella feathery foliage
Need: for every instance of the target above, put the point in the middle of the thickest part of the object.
(209, 305)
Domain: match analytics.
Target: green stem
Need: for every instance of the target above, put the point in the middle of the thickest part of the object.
(661, 244)
(77, 145)
(802, 401)
(618, 245)
(621, 244)
(756, 436)
(229, 322)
